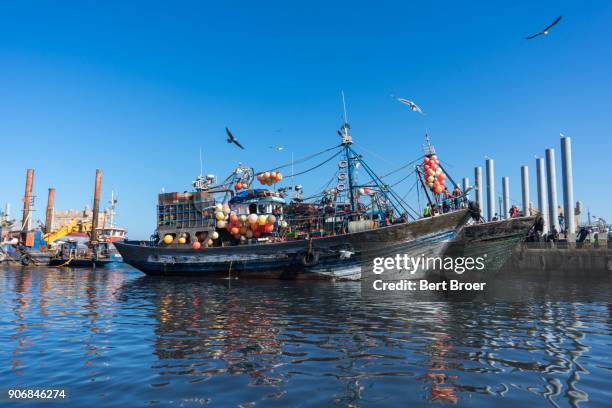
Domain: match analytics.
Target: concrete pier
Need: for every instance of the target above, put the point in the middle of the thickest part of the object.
(542, 192)
(478, 185)
(466, 185)
(506, 198)
(525, 190)
(568, 184)
(551, 179)
(490, 189)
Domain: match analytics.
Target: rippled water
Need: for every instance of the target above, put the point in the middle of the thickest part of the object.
(117, 338)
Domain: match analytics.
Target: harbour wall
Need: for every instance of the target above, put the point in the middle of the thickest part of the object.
(561, 258)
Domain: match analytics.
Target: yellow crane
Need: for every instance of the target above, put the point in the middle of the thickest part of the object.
(73, 226)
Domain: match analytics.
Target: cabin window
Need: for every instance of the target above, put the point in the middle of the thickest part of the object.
(253, 208)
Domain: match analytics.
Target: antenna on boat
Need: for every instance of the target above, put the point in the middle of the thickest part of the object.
(428, 147)
(201, 183)
(344, 134)
(113, 204)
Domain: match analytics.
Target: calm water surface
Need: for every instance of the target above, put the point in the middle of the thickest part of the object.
(117, 338)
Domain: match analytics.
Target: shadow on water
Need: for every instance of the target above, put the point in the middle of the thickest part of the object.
(118, 338)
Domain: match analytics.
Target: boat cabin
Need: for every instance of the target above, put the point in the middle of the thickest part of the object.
(257, 201)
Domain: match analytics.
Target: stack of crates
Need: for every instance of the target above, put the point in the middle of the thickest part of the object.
(185, 210)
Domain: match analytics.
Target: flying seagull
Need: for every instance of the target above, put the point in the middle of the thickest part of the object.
(232, 139)
(279, 148)
(545, 31)
(413, 106)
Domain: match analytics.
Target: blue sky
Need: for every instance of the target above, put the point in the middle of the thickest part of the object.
(136, 89)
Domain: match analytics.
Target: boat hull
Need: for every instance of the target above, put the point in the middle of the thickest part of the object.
(493, 242)
(337, 257)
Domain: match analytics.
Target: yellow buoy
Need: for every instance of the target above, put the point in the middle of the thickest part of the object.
(262, 220)
(215, 235)
(168, 239)
(182, 240)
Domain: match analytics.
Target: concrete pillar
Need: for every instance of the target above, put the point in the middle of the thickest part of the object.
(466, 185)
(96, 206)
(551, 179)
(506, 197)
(479, 187)
(49, 213)
(542, 192)
(26, 220)
(525, 190)
(568, 184)
(490, 189)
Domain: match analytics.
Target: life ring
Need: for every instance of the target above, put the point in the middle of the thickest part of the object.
(341, 187)
(310, 258)
(343, 164)
(342, 176)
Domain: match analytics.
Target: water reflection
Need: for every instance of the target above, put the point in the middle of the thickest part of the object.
(118, 336)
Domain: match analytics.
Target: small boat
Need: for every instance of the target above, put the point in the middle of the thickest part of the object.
(76, 254)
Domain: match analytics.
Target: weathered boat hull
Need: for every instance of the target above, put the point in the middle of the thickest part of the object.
(492, 241)
(335, 257)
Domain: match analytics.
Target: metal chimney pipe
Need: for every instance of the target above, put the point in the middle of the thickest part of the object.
(525, 189)
(49, 214)
(568, 184)
(551, 175)
(490, 189)
(96, 207)
(506, 197)
(478, 192)
(542, 192)
(27, 201)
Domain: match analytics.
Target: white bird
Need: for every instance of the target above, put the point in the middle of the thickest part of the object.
(413, 106)
(279, 148)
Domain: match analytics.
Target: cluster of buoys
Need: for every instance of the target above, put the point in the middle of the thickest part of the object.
(244, 226)
(434, 176)
(201, 239)
(222, 214)
(240, 185)
(269, 177)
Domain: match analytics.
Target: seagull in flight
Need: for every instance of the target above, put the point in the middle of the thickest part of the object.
(413, 106)
(278, 148)
(232, 139)
(545, 31)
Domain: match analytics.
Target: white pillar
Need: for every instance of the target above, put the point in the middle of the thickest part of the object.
(466, 185)
(551, 176)
(479, 188)
(506, 197)
(568, 184)
(525, 189)
(542, 192)
(490, 189)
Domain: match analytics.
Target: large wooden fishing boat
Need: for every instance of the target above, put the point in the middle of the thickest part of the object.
(492, 242)
(230, 229)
